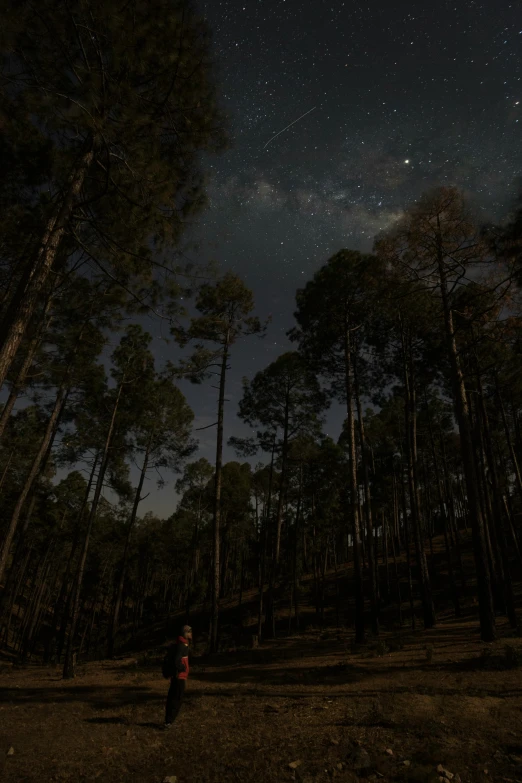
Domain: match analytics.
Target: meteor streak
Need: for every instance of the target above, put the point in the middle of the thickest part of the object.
(288, 126)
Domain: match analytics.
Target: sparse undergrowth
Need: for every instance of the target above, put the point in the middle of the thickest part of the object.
(425, 707)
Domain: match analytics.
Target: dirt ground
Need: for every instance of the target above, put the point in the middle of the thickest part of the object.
(381, 713)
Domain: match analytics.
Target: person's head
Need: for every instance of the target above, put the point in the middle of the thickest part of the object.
(187, 633)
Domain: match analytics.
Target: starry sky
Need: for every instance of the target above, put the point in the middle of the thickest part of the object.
(398, 96)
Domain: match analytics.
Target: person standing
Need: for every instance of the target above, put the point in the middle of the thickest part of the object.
(176, 668)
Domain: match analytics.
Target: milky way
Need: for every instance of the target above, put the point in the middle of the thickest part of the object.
(408, 94)
(406, 97)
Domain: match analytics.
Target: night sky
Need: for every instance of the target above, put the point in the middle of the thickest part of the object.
(400, 96)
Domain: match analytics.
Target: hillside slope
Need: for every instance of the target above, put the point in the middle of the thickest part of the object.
(381, 713)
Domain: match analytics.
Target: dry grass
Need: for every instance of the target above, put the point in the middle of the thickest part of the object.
(440, 700)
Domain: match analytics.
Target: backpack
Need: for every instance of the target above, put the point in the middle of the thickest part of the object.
(167, 667)
(171, 666)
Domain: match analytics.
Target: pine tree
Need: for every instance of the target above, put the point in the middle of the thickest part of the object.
(131, 366)
(437, 241)
(123, 96)
(160, 424)
(331, 309)
(225, 309)
(285, 398)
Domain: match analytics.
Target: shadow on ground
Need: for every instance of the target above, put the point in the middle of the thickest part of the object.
(99, 697)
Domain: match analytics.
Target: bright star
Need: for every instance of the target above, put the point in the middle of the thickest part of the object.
(407, 161)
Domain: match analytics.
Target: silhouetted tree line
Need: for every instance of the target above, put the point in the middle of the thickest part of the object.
(105, 116)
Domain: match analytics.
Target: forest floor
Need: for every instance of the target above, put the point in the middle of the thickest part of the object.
(306, 708)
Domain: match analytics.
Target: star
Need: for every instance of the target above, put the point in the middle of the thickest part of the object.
(337, 177)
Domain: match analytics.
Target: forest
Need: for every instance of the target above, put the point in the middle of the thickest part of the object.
(105, 132)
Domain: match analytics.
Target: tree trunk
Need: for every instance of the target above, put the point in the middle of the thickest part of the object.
(513, 532)
(35, 468)
(372, 560)
(35, 274)
(296, 539)
(241, 576)
(451, 516)
(35, 615)
(354, 499)
(385, 536)
(410, 439)
(486, 611)
(217, 501)
(264, 544)
(20, 578)
(21, 378)
(512, 452)
(68, 668)
(4, 600)
(509, 597)
(113, 628)
(60, 606)
(274, 564)
(68, 603)
(408, 553)
(496, 569)
(444, 517)
(282, 484)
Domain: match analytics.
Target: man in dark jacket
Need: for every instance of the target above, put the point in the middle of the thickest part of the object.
(179, 666)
